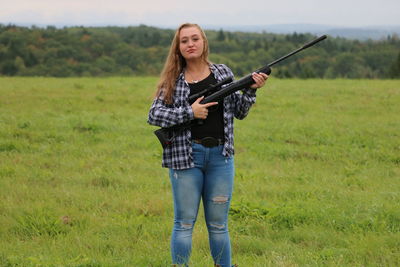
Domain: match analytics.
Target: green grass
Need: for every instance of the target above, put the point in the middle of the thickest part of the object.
(317, 175)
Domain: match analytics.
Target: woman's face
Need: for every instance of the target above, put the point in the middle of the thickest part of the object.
(191, 43)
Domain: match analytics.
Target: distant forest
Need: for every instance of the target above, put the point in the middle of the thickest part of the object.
(141, 50)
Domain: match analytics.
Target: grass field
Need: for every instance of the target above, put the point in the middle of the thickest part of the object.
(317, 175)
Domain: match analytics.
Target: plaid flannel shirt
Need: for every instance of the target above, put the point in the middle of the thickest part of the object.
(178, 155)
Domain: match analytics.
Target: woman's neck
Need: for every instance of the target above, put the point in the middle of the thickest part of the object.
(196, 71)
(196, 66)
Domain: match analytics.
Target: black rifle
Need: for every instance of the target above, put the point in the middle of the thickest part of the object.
(216, 93)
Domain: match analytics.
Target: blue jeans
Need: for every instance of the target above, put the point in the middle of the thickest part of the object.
(212, 181)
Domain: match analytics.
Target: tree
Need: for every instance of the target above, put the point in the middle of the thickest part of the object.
(221, 35)
(395, 68)
(106, 64)
(9, 67)
(348, 65)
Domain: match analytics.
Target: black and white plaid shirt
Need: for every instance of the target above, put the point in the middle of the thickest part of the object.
(178, 155)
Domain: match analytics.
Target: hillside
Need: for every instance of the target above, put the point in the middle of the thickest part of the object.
(358, 33)
(141, 50)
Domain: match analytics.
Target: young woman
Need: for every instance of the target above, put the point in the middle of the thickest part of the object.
(200, 159)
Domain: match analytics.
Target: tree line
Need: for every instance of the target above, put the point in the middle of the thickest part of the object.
(141, 50)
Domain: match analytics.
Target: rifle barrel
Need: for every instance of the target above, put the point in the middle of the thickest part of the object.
(311, 43)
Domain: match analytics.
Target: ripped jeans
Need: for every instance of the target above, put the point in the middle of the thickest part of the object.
(212, 181)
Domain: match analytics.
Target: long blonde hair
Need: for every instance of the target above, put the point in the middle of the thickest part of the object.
(175, 64)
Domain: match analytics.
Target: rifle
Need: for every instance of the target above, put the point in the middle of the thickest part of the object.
(216, 92)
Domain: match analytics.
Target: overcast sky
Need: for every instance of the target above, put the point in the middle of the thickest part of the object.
(171, 13)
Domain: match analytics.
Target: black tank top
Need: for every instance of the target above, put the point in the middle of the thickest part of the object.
(213, 126)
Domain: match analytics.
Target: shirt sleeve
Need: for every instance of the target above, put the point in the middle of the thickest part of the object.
(241, 100)
(164, 115)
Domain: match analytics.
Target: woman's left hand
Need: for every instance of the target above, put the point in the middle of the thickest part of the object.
(260, 79)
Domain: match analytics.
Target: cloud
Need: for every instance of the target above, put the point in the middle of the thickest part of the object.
(206, 12)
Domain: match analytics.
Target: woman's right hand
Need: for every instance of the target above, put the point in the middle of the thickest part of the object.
(200, 111)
